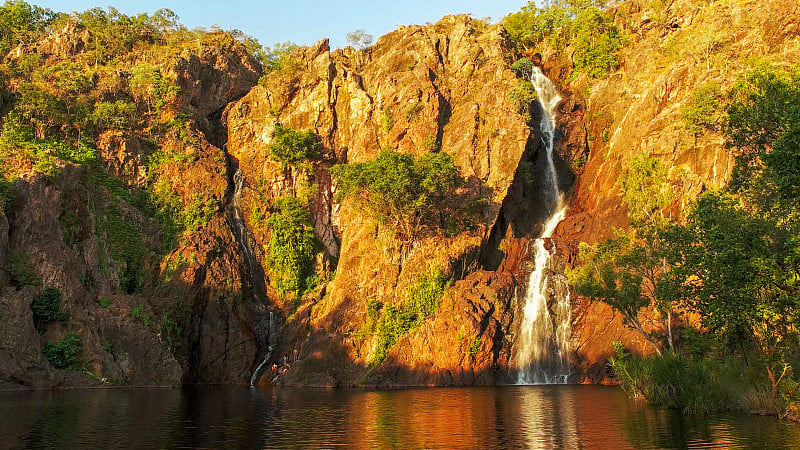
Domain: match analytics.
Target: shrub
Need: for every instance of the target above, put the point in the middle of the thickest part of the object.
(119, 114)
(703, 110)
(581, 24)
(398, 189)
(46, 307)
(522, 97)
(293, 147)
(422, 301)
(7, 190)
(387, 122)
(292, 245)
(65, 355)
(596, 40)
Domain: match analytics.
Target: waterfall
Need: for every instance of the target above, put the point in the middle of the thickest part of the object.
(247, 242)
(543, 340)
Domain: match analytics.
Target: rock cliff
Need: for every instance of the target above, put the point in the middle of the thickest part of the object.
(204, 307)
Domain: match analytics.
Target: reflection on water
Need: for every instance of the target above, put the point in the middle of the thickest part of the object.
(489, 417)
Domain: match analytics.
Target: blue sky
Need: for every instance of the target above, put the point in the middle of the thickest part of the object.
(301, 21)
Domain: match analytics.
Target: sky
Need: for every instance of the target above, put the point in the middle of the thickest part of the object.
(301, 21)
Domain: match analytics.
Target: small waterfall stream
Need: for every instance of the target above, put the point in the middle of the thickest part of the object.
(543, 339)
(248, 243)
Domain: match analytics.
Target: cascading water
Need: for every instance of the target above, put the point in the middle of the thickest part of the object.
(247, 243)
(543, 339)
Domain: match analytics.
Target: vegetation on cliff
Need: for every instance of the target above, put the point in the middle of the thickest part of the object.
(581, 25)
(411, 194)
(731, 261)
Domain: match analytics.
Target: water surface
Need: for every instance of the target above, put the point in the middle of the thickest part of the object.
(488, 417)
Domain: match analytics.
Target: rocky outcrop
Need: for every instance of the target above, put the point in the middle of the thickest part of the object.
(144, 318)
(440, 87)
(205, 311)
(638, 110)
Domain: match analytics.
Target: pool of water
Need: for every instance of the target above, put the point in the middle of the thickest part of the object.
(566, 416)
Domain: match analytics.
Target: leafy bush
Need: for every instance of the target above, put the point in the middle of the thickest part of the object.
(7, 190)
(422, 301)
(596, 41)
(522, 97)
(292, 245)
(21, 23)
(523, 67)
(46, 308)
(398, 189)
(65, 355)
(150, 86)
(703, 111)
(125, 240)
(119, 114)
(277, 57)
(532, 25)
(293, 147)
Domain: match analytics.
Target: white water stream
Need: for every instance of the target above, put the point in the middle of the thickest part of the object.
(543, 339)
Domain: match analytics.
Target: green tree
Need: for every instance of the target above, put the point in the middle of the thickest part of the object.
(596, 40)
(294, 147)
(21, 23)
(292, 245)
(632, 272)
(406, 192)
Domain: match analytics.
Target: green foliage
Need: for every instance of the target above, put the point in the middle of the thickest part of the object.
(46, 308)
(171, 333)
(596, 40)
(532, 25)
(387, 122)
(65, 355)
(422, 301)
(762, 106)
(412, 110)
(7, 190)
(21, 23)
(406, 192)
(703, 111)
(646, 190)
(119, 114)
(523, 67)
(475, 347)
(125, 240)
(278, 56)
(21, 269)
(294, 147)
(583, 25)
(630, 272)
(292, 246)
(522, 97)
(103, 302)
(150, 86)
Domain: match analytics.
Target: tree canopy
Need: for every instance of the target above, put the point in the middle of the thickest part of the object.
(407, 192)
